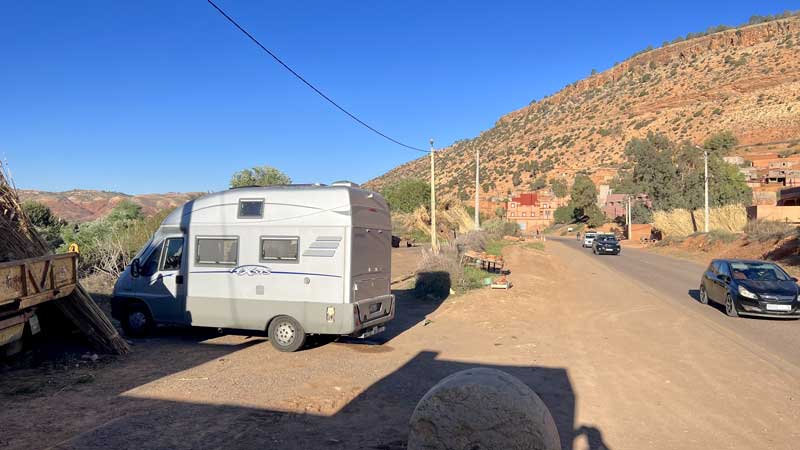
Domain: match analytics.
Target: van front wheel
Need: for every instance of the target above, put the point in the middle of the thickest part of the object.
(286, 334)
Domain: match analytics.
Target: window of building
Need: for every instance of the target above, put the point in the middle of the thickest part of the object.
(513, 205)
(523, 214)
(251, 208)
(172, 254)
(279, 249)
(217, 251)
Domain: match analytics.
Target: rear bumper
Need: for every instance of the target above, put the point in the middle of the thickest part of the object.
(371, 312)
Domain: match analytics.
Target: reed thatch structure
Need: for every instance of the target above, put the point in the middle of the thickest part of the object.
(19, 240)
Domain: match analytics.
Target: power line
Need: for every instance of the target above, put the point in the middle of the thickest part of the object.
(299, 77)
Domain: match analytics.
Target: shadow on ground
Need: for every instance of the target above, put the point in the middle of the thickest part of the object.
(375, 419)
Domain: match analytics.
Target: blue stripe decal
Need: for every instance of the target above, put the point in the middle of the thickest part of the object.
(259, 270)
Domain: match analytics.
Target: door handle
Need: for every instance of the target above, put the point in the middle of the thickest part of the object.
(178, 279)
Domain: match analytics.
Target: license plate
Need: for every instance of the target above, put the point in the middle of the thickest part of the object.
(779, 307)
(34, 324)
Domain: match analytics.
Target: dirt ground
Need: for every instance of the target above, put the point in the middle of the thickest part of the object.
(618, 368)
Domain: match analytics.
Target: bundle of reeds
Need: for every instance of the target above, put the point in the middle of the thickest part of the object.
(19, 240)
(681, 222)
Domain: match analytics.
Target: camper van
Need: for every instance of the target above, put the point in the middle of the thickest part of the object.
(286, 260)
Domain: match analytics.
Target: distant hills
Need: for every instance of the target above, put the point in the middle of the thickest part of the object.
(86, 205)
(746, 80)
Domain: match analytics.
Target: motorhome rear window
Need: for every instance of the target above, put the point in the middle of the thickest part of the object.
(217, 251)
(251, 208)
(279, 248)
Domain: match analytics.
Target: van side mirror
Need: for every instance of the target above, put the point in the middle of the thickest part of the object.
(136, 269)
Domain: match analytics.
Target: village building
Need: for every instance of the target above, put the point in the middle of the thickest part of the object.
(534, 211)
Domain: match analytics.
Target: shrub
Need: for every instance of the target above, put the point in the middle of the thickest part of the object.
(769, 230)
(438, 271)
(497, 228)
(473, 240)
(727, 237)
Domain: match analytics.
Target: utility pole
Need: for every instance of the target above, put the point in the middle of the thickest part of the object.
(629, 217)
(705, 163)
(434, 244)
(477, 188)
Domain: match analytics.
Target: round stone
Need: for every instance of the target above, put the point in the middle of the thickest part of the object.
(482, 409)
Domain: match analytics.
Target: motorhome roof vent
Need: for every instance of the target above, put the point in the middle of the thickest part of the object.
(344, 183)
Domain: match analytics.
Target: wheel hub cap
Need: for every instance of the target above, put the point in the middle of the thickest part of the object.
(137, 320)
(284, 334)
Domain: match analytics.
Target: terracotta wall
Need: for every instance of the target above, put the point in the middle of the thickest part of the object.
(789, 214)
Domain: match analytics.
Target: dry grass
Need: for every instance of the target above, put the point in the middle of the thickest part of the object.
(769, 230)
(679, 223)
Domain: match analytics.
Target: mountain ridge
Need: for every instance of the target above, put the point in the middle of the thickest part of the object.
(745, 80)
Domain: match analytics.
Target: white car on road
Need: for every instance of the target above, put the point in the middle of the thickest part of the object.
(588, 239)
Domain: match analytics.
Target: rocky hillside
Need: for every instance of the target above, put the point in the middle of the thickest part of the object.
(745, 80)
(86, 205)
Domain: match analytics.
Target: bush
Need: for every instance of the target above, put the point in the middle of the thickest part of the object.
(726, 237)
(497, 228)
(439, 271)
(473, 240)
(769, 230)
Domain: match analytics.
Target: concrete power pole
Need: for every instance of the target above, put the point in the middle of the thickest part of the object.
(477, 189)
(629, 217)
(434, 244)
(705, 163)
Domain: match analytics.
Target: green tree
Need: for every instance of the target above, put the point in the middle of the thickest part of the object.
(46, 224)
(407, 194)
(721, 143)
(125, 211)
(640, 213)
(584, 192)
(259, 176)
(564, 214)
(559, 188)
(654, 171)
(593, 216)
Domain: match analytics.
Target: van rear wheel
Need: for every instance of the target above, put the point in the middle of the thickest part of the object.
(286, 334)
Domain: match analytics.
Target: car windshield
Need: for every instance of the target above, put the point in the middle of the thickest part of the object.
(757, 272)
(610, 239)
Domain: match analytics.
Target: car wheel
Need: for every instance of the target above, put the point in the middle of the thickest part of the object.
(730, 307)
(703, 295)
(286, 334)
(137, 321)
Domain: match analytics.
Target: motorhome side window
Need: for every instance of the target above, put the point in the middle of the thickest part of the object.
(279, 249)
(172, 254)
(251, 208)
(213, 251)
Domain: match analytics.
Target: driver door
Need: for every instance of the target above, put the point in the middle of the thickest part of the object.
(162, 283)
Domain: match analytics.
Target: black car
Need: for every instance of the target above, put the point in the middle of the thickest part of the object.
(606, 244)
(752, 288)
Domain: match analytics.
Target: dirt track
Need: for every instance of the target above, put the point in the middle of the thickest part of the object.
(619, 367)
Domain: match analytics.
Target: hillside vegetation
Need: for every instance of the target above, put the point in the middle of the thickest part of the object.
(746, 80)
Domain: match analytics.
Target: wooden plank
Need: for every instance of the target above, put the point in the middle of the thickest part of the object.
(36, 280)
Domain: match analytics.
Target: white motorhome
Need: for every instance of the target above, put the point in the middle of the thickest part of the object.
(289, 260)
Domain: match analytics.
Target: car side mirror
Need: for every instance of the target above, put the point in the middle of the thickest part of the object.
(725, 279)
(136, 269)
(794, 279)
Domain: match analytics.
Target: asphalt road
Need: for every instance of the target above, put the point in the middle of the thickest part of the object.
(676, 281)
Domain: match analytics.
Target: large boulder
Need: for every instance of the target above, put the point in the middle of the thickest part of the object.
(482, 409)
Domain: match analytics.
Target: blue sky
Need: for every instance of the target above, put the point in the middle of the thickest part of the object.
(157, 96)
